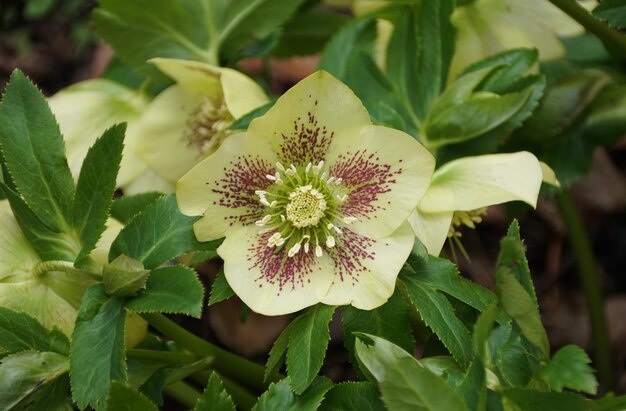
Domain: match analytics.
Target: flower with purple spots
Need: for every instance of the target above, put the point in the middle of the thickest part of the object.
(313, 201)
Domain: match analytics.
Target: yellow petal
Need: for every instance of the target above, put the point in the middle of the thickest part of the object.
(548, 176)
(431, 229)
(241, 93)
(194, 76)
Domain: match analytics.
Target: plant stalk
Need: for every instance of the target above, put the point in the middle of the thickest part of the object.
(183, 393)
(586, 263)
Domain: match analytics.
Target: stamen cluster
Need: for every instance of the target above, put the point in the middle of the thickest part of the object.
(207, 126)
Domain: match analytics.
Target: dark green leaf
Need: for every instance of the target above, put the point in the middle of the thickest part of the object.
(243, 122)
(158, 234)
(34, 153)
(514, 360)
(34, 381)
(610, 403)
(511, 66)
(174, 289)
(530, 400)
(403, 382)
(97, 353)
(21, 332)
(215, 398)
(569, 368)
(220, 290)
(126, 208)
(95, 188)
(280, 397)
(613, 11)
(124, 398)
(278, 353)
(515, 259)
(124, 276)
(352, 39)
(361, 396)
(308, 341)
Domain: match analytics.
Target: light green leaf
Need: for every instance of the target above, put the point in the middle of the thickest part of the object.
(124, 209)
(361, 396)
(97, 354)
(308, 341)
(34, 152)
(613, 11)
(124, 276)
(34, 380)
(21, 332)
(511, 67)
(124, 398)
(280, 397)
(220, 290)
(530, 400)
(355, 37)
(403, 382)
(215, 398)
(174, 289)
(569, 368)
(96, 186)
(159, 234)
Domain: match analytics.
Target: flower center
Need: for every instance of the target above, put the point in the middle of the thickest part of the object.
(207, 127)
(302, 209)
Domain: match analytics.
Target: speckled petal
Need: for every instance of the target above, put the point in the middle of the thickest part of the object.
(431, 229)
(366, 269)
(222, 187)
(270, 282)
(385, 173)
(304, 120)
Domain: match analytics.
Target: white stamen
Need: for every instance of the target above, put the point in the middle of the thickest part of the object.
(294, 250)
(270, 177)
(350, 220)
(263, 221)
(261, 193)
(273, 203)
(330, 241)
(293, 168)
(283, 218)
(290, 172)
(342, 197)
(330, 180)
(308, 167)
(274, 239)
(280, 166)
(318, 251)
(331, 226)
(265, 202)
(306, 247)
(323, 176)
(338, 181)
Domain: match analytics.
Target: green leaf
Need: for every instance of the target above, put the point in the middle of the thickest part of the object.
(482, 331)
(307, 32)
(613, 11)
(354, 38)
(220, 290)
(142, 29)
(569, 368)
(308, 341)
(96, 186)
(34, 152)
(215, 398)
(530, 400)
(21, 332)
(391, 321)
(361, 396)
(403, 382)
(278, 353)
(513, 356)
(280, 397)
(124, 398)
(97, 355)
(610, 403)
(174, 289)
(34, 380)
(124, 276)
(159, 234)
(126, 208)
(473, 387)
(244, 121)
(511, 66)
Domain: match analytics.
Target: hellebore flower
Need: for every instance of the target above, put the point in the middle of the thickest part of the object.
(188, 121)
(313, 201)
(461, 189)
(51, 297)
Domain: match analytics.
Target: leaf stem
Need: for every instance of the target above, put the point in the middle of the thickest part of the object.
(63, 266)
(611, 38)
(586, 263)
(161, 356)
(227, 363)
(183, 393)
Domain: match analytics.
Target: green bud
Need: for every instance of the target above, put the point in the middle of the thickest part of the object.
(124, 276)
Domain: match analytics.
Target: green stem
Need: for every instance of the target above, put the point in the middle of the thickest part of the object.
(63, 266)
(161, 356)
(612, 38)
(183, 393)
(586, 263)
(227, 363)
(242, 398)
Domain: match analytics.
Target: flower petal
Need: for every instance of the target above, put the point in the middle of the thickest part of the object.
(17, 258)
(241, 93)
(161, 133)
(474, 182)
(270, 282)
(194, 76)
(222, 187)
(148, 181)
(385, 172)
(300, 129)
(366, 269)
(431, 229)
(548, 175)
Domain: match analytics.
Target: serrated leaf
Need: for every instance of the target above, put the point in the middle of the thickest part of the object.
(610, 403)
(278, 353)
(95, 188)
(124, 398)
(515, 259)
(21, 332)
(124, 209)
(513, 359)
(403, 382)
(220, 289)
(569, 368)
(280, 397)
(174, 289)
(159, 234)
(390, 321)
(34, 152)
(34, 380)
(124, 276)
(97, 355)
(613, 11)
(361, 396)
(215, 398)
(512, 65)
(308, 341)
(531, 400)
